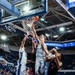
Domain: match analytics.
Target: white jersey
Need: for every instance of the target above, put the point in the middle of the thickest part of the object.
(50, 55)
(22, 56)
(21, 67)
(40, 52)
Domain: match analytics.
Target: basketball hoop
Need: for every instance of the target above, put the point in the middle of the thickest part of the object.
(30, 21)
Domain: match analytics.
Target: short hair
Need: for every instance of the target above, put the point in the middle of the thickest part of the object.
(62, 57)
(43, 35)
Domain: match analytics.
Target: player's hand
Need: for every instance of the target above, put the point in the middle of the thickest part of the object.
(33, 19)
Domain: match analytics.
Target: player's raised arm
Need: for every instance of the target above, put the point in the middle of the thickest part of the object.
(24, 39)
(54, 51)
(34, 32)
(59, 64)
(43, 44)
(33, 46)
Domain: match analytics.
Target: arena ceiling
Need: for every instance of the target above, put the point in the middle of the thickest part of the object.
(53, 20)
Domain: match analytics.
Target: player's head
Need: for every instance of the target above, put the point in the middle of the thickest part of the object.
(34, 40)
(42, 37)
(22, 43)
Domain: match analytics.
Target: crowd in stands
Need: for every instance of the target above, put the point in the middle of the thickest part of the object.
(7, 69)
(69, 62)
(5, 72)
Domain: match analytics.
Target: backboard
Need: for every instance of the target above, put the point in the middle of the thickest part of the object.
(71, 6)
(26, 8)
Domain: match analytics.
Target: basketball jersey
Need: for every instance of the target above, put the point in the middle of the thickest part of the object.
(53, 68)
(40, 52)
(22, 56)
(21, 64)
(50, 55)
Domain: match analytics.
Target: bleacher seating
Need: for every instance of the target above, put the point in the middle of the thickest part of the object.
(69, 62)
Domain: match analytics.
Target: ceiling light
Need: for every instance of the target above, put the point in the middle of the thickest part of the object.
(26, 8)
(69, 30)
(47, 35)
(62, 29)
(55, 36)
(42, 19)
(3, 37)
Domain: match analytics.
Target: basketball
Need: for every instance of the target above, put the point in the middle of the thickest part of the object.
(35, 18)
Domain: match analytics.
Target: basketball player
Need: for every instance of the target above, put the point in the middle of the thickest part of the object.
(49, 57)
(34, 43)
(21, 67)
(55, 62)
(40, 53)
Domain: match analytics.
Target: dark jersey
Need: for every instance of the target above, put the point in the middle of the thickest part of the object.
(33, 57)
(53, 69)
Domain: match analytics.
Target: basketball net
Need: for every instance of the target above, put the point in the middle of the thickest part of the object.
(29, 22)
